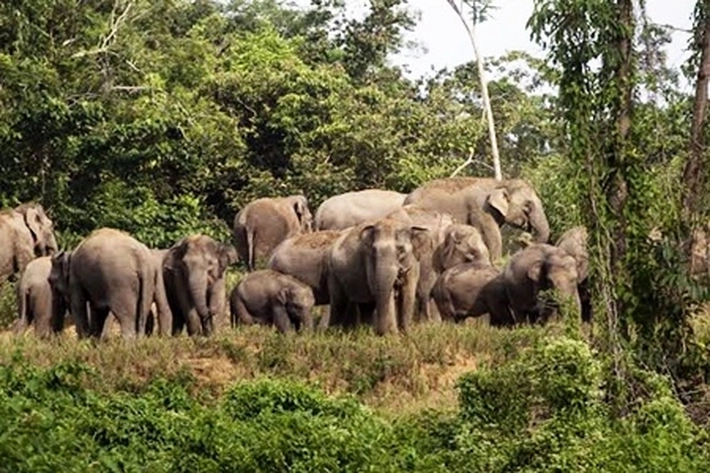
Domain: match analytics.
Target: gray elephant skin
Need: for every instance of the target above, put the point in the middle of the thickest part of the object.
(264, 223)
(374, 267)
(575, 242)
(194, 274)
(304, 257)
(38, 303)
(353, 208)
(472, 290)
(436, 224)
(268, 297)
(114, 273)
(538, 268)
(25, 233)
(486, 203)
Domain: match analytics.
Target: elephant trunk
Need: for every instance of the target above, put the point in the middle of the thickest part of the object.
(198, 293)
(538, 222)
(52, 247)
(385, 279)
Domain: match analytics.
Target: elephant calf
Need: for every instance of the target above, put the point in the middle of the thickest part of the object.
(38, 303)
(268, 297)
(472, 290)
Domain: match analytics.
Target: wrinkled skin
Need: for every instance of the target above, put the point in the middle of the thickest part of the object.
(574, 242)
(537, 268)
(26, 232)
(462, 244)
(486, 203)
(305, 258)
(353, 208)
(270, 298)
(38, 303)
(193, 271)
(374, 267)
(472, 290)
(436, 224)
(264, 223)
(114, 273)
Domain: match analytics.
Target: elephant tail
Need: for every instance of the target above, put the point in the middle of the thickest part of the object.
(164, 314)
(145, 298)
(249, 236)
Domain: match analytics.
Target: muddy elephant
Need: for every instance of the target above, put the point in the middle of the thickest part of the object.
(268, 297)
(114, 273)
(472, 290)
(486, 204)
(374, 267)
(436, 224)
(305, 258)
(194, 274)
(353, 208)
(38, 303)
(264, 223)
(25, 233)
(539, 267)
(574, 242)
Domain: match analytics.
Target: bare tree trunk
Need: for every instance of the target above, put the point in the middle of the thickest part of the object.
(694, 172)
(471, 31)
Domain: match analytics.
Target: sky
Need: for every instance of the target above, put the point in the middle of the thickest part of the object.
(443, 42)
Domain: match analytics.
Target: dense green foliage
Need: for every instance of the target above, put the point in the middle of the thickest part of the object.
(541, 411)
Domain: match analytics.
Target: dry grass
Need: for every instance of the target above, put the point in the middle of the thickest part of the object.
(396, 374)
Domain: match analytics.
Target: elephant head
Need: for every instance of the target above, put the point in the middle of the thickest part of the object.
(202, 262)
(392, 253)
(300, 207)
(516, 203)
(59, 282)
(462, 244)
(41, 227)
(574, 242)
(556, 270)
(297, 303)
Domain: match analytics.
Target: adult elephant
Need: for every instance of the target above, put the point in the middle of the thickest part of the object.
(537, 268)
(486, 203)
(353, 208)
(194, 274)
(436, 224)
(304, 257)
(574, 242)
(374, 266)
(25, 233)
(264, 223)
(114, 273)
(38, 303)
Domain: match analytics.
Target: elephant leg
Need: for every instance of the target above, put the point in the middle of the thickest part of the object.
(306, 323)
(281, 319)
(98, 322)
(80, 312)
(434, 315)
(58, 311)
(337, 314)
(325, 318)
(407, 299)
(366, 312)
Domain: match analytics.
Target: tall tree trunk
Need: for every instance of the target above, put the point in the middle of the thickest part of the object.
(694, 172)
(471, 31)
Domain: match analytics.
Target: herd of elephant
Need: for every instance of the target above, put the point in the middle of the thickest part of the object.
(374, 256)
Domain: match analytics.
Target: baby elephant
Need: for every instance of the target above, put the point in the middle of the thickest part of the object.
(38, 302)
(270, 297)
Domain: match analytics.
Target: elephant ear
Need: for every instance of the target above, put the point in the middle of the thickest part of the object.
(499, 200)
(175, 253)
(283, 297)
(367, 234)
(421, 240)
(33, 220)
(535, 271)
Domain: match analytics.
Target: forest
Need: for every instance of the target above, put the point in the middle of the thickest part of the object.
(165, 118)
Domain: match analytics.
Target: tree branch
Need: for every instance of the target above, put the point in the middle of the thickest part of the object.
(108, 40)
